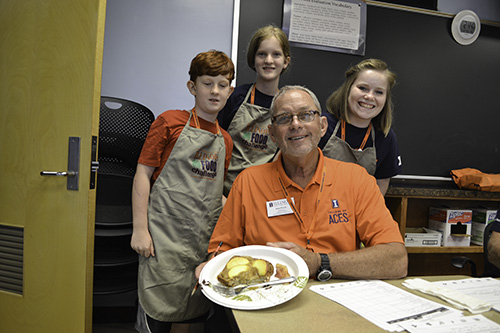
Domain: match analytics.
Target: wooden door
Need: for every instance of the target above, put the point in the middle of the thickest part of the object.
(50, 81)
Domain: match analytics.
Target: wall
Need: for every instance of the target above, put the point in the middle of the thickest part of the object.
(447, 95)
(148, 47)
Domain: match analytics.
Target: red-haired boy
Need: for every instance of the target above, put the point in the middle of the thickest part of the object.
(177, 197)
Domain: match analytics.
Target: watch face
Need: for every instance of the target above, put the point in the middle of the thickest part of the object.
(324, 275)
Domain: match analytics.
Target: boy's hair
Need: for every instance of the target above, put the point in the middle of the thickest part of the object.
(212, 63)
(264, 33)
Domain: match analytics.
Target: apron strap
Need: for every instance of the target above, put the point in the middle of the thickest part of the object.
(365, 139)
(197, 121)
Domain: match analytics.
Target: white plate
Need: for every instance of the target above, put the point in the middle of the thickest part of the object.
(259, 298)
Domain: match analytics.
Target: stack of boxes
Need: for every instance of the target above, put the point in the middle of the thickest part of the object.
(451, 227)
(455, 225)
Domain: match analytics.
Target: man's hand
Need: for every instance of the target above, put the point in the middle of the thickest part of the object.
(313, 260)
(142, 243)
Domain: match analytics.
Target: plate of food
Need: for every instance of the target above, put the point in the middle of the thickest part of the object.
(254, 264)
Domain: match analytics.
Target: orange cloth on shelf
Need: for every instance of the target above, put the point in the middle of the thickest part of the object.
(473, 179)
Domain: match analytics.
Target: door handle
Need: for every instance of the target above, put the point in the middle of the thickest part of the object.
(73, 165)
(58, 173)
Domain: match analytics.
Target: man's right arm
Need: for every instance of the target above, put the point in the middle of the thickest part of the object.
(141, 240)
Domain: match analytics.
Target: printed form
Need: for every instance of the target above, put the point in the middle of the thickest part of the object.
(394, 309)
(382, 303)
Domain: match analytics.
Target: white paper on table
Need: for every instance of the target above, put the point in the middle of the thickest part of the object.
(381, 303)
(486, 289)
(452, 296)
(466, 324)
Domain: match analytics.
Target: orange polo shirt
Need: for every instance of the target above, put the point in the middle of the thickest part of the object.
(351, 210)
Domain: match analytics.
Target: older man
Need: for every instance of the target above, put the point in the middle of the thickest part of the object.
(327, 208)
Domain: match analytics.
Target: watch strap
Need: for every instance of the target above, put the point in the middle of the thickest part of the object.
(325, 262)
(324, 271)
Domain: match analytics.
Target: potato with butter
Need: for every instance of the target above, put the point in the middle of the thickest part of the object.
(245, 270)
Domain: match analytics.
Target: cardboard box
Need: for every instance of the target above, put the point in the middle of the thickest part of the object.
(480, 218)
(422, 237)
(455, 225)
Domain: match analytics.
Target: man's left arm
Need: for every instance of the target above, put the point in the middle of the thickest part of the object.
(382, 261)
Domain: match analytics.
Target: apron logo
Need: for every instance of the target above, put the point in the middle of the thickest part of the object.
(204, 165)
(246, 135)
(196, 164)
(255, 137)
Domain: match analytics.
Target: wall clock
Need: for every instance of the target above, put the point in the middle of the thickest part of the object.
(465, 27)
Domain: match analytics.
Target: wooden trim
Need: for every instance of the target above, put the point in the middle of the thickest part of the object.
(445, 249)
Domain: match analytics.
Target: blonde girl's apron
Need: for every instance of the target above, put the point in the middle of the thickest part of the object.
(184, 205)
(252, 144)
(337, 148)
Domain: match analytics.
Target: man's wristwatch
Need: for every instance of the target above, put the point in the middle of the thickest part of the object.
(324, 271)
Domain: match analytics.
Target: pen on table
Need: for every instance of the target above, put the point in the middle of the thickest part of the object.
(198, 282)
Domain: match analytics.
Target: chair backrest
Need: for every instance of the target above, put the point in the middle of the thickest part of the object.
(123, 127)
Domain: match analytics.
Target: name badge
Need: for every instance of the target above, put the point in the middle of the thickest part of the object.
(278, 207)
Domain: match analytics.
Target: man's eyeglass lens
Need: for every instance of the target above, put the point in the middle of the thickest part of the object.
(304, 116)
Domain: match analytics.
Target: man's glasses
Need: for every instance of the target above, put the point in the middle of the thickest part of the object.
(286, 119)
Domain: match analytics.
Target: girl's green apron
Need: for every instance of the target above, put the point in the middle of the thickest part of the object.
(184, 205)
(339, 149)
(252, 144)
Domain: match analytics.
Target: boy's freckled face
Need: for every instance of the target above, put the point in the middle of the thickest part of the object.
(211, 94)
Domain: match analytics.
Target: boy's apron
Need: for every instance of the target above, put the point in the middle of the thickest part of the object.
(184, 205)
(252, 144)
(339, 149)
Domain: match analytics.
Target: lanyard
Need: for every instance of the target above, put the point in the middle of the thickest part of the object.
(368, 131)
(252, 95)
(197, 121)
(309, 232)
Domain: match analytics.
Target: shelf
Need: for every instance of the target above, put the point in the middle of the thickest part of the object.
(409, 206)
(434, 193)
(444, 249)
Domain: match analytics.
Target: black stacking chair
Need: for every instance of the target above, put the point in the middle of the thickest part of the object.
(123, 127)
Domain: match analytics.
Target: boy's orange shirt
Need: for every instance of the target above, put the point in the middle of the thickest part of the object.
(163, 135)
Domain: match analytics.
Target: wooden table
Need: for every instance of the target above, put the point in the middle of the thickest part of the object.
(311, 312)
